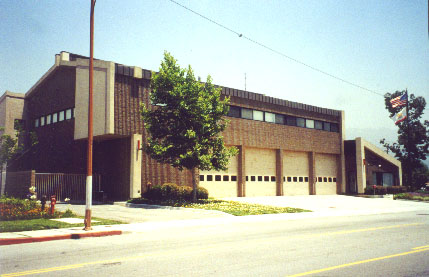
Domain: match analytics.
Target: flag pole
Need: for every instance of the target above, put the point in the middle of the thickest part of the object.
(409, 137)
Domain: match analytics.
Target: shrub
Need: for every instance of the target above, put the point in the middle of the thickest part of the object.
(185, 193)
(396, 189)
(202, 193)
(170, 191)
(379, 190)
(153, 193)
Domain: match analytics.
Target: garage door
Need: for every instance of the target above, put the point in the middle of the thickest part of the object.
(260, 172)
(326, 172)
(296, 173)
(221, 183)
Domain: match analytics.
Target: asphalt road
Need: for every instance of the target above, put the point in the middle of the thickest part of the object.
(371, 245)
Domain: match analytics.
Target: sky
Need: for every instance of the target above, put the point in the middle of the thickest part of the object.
(382, 46)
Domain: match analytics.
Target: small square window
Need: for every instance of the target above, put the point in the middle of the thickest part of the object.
(309, 123)
(246, 113)
(55, 118)
(280, 119)
(273, 178)
(301, 179)
(42, 121)
(234, 178)
(334, 179)
(209, 178)
(289, 179)
(284, 179)
(36, 123)
(258, 115)
(234, 111)
(318, 125)
(325, 179)
(334, 127)
(306, 179)
(330, 179)
(61, 116)
(48, 119)
(270, 117)
(291, 121)
(252, 178)
(319, 179)
(68, 114)
(218, 178)
(247, 178)
(226, 178)
(202, 178)
(326, 126)
(295, 179)
(259, 178)
(266, 178)
(300, 122)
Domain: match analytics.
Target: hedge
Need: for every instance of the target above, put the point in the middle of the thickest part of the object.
(170, 191)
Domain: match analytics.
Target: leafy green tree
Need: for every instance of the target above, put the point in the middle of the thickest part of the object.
(186, 121)
(413, 139)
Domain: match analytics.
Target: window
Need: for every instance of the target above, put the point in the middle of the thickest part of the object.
(252, 178)
(42, 121)
(330, 179)
(334, 179)
(300, 122)
(234, 178)
(48, 119)
(202, 178)
(318, 125)
(226, 178)
(73, 113)
(334, 127)
(301, 179)
(284, 179)
(325, 179)
(54, 117)
(326, 126)
(247, 178)
(280, 119)
(289, 179)
(36, 123)
(218, 178)
(319, 179)
(273, 178)
(291, 121)
(259, 178)
(258, 115)
(309, 123)
(234, 111)
(68, 113)
(305, 179)
(61, 116)
(209, 178)
(270, 117)
(295, 179)
(246, 113)
(266, 178)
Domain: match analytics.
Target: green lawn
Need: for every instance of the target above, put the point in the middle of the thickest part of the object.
(230, 207)
(44, 224)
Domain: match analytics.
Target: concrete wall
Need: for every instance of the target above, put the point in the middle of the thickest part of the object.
(11, 108)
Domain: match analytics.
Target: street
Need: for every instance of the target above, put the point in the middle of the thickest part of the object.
(394, 244)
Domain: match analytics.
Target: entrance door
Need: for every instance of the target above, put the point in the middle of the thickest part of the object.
(351, 176)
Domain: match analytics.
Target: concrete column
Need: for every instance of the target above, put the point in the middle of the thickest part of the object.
(279, 172)
(360, 167)
(312, 173)
(135, 166)
(341, 179)
(241, 172)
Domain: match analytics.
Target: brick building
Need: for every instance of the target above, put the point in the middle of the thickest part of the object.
(285, 148)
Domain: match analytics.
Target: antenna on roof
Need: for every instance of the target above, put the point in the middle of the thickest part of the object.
(245, 82)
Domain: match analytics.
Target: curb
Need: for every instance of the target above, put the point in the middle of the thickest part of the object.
(11, 241)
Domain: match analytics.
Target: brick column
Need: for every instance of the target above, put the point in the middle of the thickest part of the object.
(279, 172)
(241, 185)
(312, 173)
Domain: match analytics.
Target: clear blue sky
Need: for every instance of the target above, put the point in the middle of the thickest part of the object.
(380, 45)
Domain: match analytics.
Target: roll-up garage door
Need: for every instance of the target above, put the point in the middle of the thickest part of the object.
(296, 173)
(221, 183)
(326, 172)
(260, 172)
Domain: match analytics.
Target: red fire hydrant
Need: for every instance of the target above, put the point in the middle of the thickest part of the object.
(53, 202)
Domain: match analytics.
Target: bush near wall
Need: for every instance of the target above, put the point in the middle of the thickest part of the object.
(380, 190)
(16, 209)
(170, 191)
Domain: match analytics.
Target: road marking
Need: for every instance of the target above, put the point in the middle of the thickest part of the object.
(418, 249)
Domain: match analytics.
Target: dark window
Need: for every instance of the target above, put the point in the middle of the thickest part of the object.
(289, 179)
(273, 178)
(300, 122)
(209, 177)
(318, 125)
(259, 178)
(234, 111)
(247, 178)
(218, 178)
(266, 178)
(330, 179)
(295, 179)
(326, 126)
(234, 178)
(280, 119)
(319, 179)
(335, 179)
(325, 179)
(334, 127)
(284, 179)
(301, 179)
(291, 121)
(246, 113)
(252, 178)
(201, 177)
(225, 178)
(306, 179)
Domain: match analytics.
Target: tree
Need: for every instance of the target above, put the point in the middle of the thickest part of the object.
(186, 121)
(413, 138)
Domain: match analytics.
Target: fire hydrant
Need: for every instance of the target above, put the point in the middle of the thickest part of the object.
(53, 202)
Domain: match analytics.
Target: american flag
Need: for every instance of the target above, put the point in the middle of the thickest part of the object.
(399, 101)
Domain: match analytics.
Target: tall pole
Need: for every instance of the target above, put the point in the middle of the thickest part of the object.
(409, 138)
(90, 115)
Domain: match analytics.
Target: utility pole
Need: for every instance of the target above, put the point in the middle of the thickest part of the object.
(90, 115)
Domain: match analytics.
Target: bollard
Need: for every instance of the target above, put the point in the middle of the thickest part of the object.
(53, 202)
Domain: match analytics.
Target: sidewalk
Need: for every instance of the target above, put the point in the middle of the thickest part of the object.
(144, 218)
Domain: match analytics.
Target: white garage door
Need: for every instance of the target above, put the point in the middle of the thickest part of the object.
(260, 172)
(221, 183)
(326, 172)
(296, 173)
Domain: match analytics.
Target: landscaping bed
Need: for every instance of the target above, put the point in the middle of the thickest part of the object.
(417, 196)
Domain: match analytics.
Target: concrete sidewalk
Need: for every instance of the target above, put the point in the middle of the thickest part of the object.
(144, 219)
